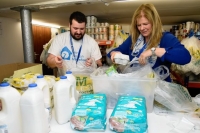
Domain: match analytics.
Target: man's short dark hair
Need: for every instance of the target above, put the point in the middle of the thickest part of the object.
(78, 16)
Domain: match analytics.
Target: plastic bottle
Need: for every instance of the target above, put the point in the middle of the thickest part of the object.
(64, 101)
(72, 79)
(34, 116)
(44, 86)
(10, 117)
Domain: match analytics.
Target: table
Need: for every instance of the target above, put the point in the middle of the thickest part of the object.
(156, 124)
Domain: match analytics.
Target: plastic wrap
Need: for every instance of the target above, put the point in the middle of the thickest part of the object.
(90, 113)
(129, 115)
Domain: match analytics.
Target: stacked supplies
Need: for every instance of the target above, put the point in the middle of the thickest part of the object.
(90, 113)
(129, 115)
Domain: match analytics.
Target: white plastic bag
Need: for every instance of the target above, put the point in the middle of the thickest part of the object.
(174, 96)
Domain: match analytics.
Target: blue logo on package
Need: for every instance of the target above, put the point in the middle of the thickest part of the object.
(66, 53)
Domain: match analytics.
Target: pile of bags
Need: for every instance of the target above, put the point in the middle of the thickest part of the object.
(192, 44)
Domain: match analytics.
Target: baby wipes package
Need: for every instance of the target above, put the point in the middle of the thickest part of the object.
(129, 115)
(90, 113)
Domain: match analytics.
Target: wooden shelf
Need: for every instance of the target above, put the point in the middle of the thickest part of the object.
(184, 80)
(104, 42)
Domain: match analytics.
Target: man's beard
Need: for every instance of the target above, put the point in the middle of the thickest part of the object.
(74, 36)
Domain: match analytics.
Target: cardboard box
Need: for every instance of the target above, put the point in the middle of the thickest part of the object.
(18, 69)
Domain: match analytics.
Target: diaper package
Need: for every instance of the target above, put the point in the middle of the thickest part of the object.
(129, 115)
(90, 113)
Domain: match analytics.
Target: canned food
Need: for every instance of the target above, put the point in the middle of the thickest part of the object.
(96, 36)
(111, 27)
(100, 29)
(102, 24)
(88, 30)
(101, 36)
(92, 30)
(93, 19)
(105, 37)
(96, 30)
(111, 37)
(104, 29)
(92, 24)
(116, 27)
(106, 24)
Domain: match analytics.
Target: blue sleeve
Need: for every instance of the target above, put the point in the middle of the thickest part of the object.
(124, 48)
(175, 51)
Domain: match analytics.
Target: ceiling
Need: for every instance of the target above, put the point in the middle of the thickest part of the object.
(111, 11)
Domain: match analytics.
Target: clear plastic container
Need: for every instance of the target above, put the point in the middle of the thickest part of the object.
(114, 87)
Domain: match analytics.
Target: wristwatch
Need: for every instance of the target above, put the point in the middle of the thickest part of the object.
(153, 51)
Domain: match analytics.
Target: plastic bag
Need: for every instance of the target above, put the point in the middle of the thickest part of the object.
(132, 66)
(90, 113)
(174, 96)
(193, 46)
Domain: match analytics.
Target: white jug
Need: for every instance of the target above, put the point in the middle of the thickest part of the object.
(72, 79)
(34, 116)
(10, 117)
(44, 86)
(64, 101)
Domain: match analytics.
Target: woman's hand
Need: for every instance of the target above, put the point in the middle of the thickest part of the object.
(159, 52)
(112, 55)
(144, 56)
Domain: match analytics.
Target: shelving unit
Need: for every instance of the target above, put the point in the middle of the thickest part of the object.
(103, 45)
(184, 80)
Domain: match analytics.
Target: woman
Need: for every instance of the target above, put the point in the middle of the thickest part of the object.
(148, 42)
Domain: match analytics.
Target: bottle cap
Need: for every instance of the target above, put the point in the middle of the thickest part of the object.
(63, 77)
(40, 76)
(4, 84)
(69, 72)
(32, 85)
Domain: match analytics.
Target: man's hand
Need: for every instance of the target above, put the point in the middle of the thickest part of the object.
(54, 61)
(58, 61)
(88, 62)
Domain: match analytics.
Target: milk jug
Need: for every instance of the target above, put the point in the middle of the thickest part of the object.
(34, 116)
(43, 85)
(10, 118)
(64, 101)
(72, 79)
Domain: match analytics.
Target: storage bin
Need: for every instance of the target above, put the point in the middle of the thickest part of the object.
(114, 87)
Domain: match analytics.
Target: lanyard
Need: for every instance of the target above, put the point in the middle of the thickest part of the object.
(79, 51)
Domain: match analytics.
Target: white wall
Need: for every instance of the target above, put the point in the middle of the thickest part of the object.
(11, 46)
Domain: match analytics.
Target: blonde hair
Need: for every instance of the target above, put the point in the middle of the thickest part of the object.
(153, 17)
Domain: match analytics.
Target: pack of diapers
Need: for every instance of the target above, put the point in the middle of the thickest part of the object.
(129, 115)
(90, 113)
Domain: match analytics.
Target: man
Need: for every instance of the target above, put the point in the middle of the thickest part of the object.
(74, 49)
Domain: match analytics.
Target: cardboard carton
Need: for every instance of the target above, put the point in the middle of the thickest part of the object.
(18, 69)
